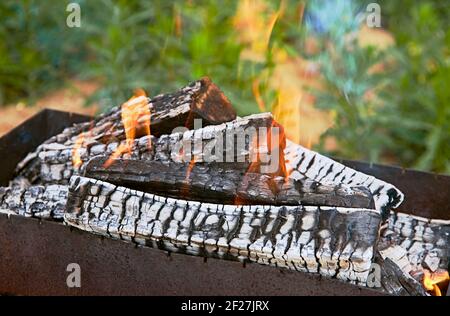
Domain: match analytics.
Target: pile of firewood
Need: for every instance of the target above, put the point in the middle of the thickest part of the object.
(184, 174)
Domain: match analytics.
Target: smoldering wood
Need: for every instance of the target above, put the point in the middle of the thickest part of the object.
(45, 202)
(397, 282)
(307, 163)
(335, 242)
(415, 243)
(167, 166)
(224, 182)
(201, 99)
(56, 159)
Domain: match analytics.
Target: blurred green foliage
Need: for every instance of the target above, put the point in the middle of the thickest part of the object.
(161, 45)
(420, 97)
(409, 120)
(36, 49)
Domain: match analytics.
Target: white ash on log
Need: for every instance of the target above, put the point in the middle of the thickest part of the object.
(335, 242)
(201, 99)
(304, 162)
(415, 243)
(46, 202)
(397, 255)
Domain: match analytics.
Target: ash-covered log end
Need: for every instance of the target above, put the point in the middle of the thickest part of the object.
(211, 103)
(305, 162)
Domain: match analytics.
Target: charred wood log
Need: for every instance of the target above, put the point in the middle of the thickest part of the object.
(46, 202)
(233, 163)
(163, 167)
(229, 183)
(233, 141)
(395, 281)
(334, 242)
(306, 163)
(201, 99)
(415, 243)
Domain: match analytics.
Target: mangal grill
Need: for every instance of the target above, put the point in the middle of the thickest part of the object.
(199, 248)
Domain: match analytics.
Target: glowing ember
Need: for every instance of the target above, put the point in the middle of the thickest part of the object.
(135, 116)
(189, 170)
(76, 156)
(431, 281)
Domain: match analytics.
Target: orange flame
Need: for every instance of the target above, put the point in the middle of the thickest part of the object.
(290, 78)
(135, 117)
(255, 159)
(257, 95)
(76, 156)
(185, 186)
(309, 143)
(255, 21)
(431, 281)
(189, 169)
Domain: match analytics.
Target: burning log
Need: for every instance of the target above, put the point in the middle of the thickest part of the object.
(414, 249)
(302, 162)
(236, 161)
(201, 99)
(335, 242)
(167, 170)
(212, 182)
(56, 159)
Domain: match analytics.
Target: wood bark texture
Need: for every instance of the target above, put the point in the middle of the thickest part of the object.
(335, 242)
(46, 202)
(304, 162)
(415, 243)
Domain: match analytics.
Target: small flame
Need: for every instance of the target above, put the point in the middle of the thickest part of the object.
(431, 281)
(255, 158)
(257, 95)
(135, 117)
(185, 186)
(189, 169)
(76, 156)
